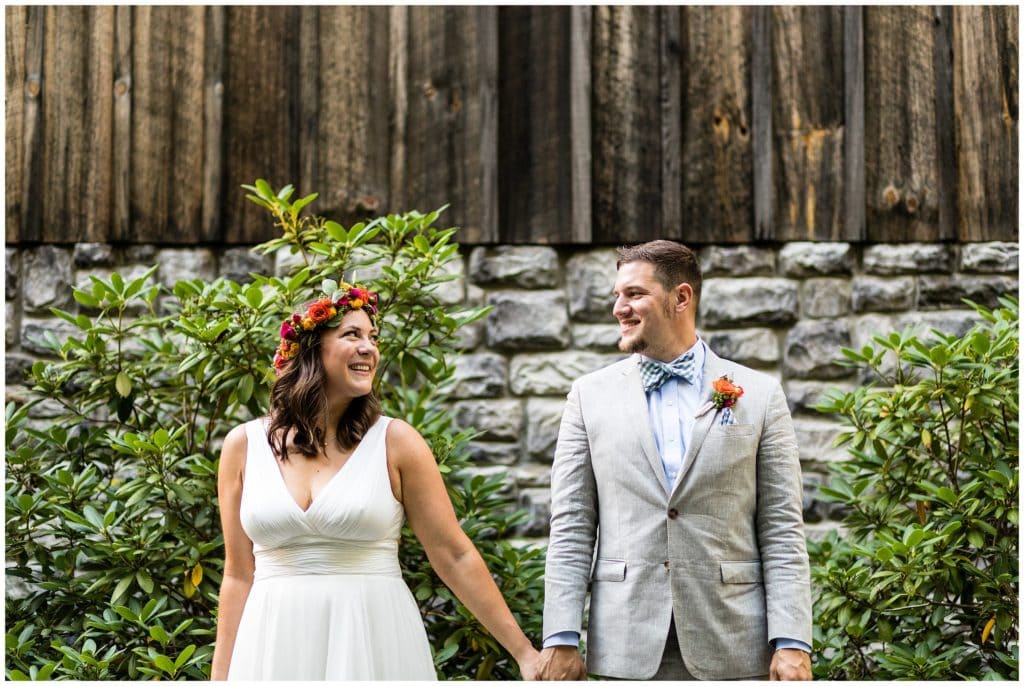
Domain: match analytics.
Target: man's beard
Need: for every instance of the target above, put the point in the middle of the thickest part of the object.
(637, 345)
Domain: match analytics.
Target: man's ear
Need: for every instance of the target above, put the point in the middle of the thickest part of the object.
(684, 297)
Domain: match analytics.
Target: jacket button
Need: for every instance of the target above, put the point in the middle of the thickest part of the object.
(673, 513)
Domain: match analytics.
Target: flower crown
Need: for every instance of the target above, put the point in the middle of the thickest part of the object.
(327, 312)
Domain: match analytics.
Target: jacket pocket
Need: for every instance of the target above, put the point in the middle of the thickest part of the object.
(741, 572)
(609, 570)
(736, 430)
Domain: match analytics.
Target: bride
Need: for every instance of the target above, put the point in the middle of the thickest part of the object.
(312, 503)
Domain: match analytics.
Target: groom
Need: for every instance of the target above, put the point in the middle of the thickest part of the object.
(681, 470)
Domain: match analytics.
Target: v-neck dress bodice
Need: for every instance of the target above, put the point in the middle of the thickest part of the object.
(328, 600)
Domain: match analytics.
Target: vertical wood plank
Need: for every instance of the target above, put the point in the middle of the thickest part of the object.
(32, 144)
(762, 124)
(167, 123)
(985, 53)
(258, 130)
(853, 115)
(308, 102)
(353, 119)
(901, 151)
(581, 123)
(670, 90)
(808, 126)
(77, 123)
(213, 123)
(450, 129)
(120, 225)
(717, 155)
(535, 146)
(945, 121)
(627, 127)
(16, 21)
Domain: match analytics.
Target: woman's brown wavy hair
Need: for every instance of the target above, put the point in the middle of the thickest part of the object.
(298, 403)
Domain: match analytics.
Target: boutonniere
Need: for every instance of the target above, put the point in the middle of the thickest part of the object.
(726, 392)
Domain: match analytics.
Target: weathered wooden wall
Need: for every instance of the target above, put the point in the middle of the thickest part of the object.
(536, 124)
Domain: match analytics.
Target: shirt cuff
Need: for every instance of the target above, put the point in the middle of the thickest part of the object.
(562, 638)
(780, 643)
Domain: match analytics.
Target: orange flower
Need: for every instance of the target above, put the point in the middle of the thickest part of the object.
(321, 311)
(726, 392)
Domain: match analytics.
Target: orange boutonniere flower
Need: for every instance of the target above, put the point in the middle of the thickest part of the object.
(726, 392)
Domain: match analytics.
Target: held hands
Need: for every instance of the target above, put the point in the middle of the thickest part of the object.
(529, 664)
(561, 663)
(790, 664)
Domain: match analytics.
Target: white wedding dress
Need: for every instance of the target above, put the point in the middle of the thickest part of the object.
(328, 601)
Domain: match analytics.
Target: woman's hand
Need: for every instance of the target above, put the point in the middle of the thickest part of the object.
(529, 663)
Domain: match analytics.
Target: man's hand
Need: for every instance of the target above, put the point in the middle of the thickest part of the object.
(790, 664)
(561, 663)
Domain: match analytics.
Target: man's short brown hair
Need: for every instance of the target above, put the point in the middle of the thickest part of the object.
(673, 262)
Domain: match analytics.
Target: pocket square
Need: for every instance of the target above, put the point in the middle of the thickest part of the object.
(728, 418)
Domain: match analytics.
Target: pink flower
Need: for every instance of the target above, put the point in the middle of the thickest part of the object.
(287, 331)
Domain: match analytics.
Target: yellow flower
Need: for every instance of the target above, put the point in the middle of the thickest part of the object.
(308, 324)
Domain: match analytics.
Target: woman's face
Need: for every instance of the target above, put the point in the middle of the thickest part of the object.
(349, 354)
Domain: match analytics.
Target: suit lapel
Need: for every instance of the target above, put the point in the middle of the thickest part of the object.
(638, 415)
(706, 415)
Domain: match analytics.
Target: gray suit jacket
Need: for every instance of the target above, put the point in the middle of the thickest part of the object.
(724, 552)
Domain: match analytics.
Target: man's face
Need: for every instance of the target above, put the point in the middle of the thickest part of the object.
(644, 310)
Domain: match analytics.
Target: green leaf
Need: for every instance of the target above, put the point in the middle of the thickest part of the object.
(245, 388)
(145, 581)
(123, 384)
(254, 296)
(159, 634)
(184, 656)
(119, 590)
(85, 299)
(164, 663)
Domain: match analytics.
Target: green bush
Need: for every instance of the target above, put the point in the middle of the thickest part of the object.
(923, 585)
(112, 524)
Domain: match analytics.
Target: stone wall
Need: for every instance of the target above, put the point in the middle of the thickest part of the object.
(785, 310)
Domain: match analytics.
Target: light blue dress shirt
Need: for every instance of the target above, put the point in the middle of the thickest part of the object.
(672, 407)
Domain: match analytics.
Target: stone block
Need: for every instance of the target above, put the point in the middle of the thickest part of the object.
(950, 322)
(812, 348)
(515, 266)
(365, 266)
(34, 331)
(452, 292)
(590, 280)
(17, 368)
(495, 419)
(11, 325)
(488, 453)
(553, 373)
(825, 297)
(287, 262)
(11, 270)
(600, 337)
(237, 263)
(543, 418)
(185, 264)
(481, 375)
(874, 294)
(469, 336)
(740, 260)
(907, 258)
(46, 279)
(93, 255)
(745, 302)
(143, 254)
(803, 396)
(815, 437)
(754, 347)
(527, 320)
(994, 258)
(536, 502)
(944, 291)
(814, 509)
(533, 476)
(806, 258)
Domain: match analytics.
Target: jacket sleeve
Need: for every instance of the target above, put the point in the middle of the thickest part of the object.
(573, 523)
(780, 525)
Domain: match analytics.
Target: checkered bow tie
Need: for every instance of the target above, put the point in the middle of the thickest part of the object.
(653, 373)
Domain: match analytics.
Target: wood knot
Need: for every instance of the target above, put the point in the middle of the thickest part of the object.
(720, 126)
(456, 103)
(429, 91)
(890, 197)
(911, 202)
(366, 203)
(33, 86)
(121, 87)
